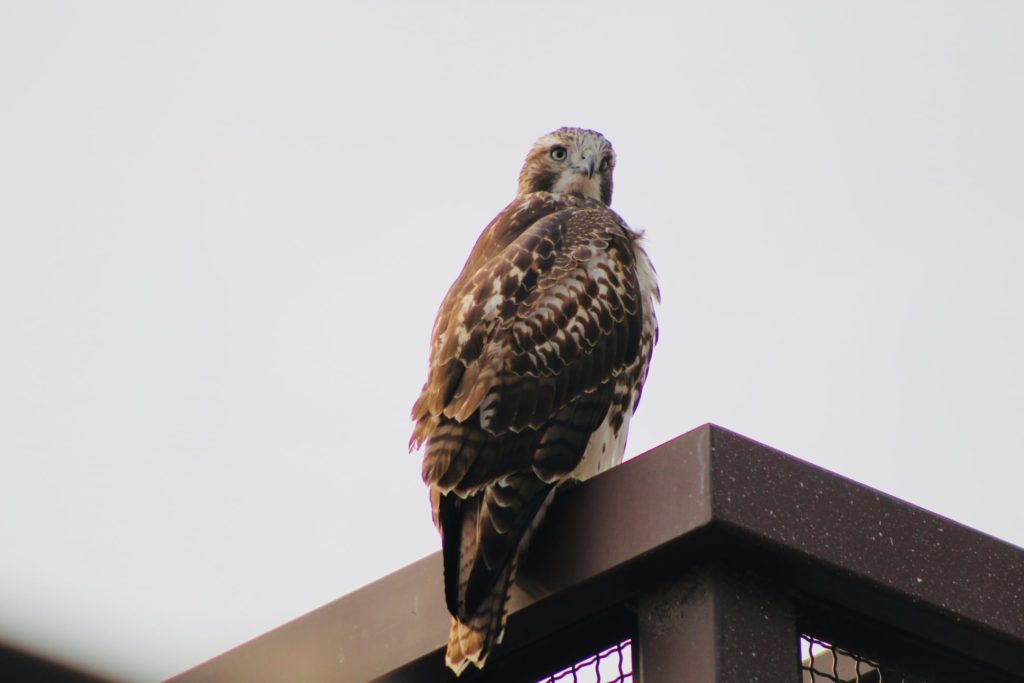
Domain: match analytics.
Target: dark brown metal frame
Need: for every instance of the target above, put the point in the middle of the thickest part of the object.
(715, 552)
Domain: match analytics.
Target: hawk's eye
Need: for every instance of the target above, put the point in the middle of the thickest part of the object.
(606, 163)
(559, 153)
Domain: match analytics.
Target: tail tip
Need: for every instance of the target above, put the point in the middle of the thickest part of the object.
(465, 646)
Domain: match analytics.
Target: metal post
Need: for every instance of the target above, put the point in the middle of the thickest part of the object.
(716, 626)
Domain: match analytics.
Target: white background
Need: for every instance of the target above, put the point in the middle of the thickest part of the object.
(226, 228)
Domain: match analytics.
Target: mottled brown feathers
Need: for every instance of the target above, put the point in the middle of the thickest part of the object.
(538, 356)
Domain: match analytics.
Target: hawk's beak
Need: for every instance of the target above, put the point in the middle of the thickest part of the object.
(589, 163)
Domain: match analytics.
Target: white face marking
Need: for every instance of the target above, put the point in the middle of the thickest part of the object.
(574, 181)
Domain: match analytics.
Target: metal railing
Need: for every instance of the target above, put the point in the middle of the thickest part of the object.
(612, 664)
(722, 560)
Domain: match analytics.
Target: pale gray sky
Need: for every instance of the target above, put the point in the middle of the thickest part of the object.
(226, 228)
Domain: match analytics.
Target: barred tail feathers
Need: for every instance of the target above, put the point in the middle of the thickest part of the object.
(471, 641)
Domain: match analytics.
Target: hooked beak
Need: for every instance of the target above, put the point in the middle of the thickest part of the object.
(589, 163)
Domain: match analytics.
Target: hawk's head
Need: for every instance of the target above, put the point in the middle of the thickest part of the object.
(571, 160)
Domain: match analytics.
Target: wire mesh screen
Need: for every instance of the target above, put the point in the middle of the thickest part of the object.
(611, 665)
(822, 661)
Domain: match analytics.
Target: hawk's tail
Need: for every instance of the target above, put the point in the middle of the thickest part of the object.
(473, 639)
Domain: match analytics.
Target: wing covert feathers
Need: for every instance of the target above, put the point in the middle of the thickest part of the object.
(544, 338)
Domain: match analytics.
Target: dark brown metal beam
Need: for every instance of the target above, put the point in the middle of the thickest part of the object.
(707, 495)
(853, 546)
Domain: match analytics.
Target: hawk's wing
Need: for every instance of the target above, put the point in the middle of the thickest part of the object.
(527, 348)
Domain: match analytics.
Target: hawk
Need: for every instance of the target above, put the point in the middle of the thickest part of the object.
(538, 355)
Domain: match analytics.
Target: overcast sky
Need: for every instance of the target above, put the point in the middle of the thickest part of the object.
(226, 228)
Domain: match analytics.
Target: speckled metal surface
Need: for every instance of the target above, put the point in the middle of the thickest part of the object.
(805, 535)
(859, 530)
(874, 554)
(716, 624)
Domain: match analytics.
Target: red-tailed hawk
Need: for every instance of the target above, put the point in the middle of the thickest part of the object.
(537, 359)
